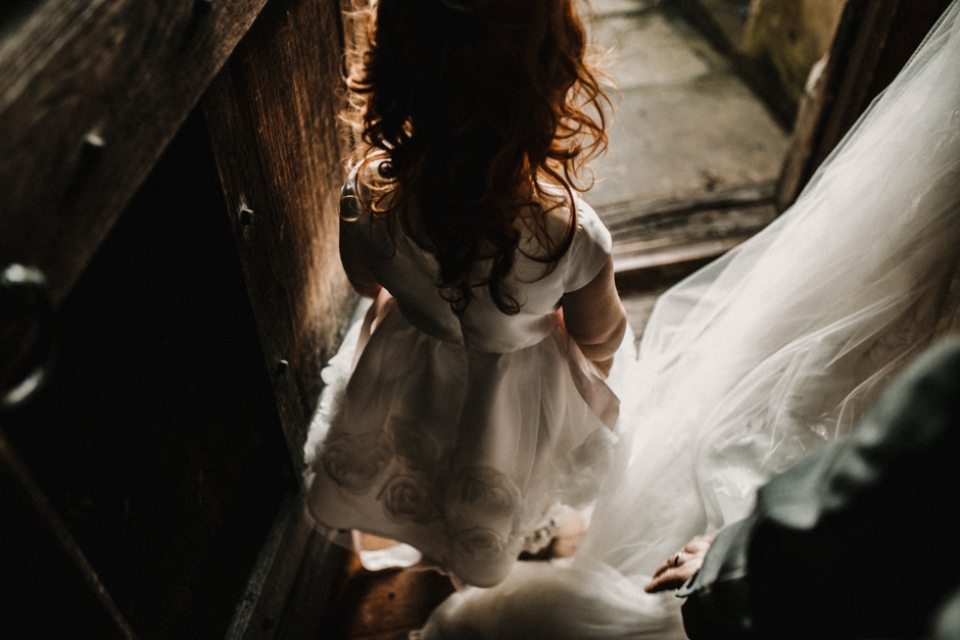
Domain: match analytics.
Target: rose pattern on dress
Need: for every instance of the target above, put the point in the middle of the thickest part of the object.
(407, 499)
(480, 556)
(484, 491)
(418, 450)
(479, 510)
(354, 461)
(476, 546)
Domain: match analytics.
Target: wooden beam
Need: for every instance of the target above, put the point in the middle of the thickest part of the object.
(50, 589)
(156, 436)
(623, 218)
(293, 581)
(273, 119)
(273, 116)
(279, 151)
(90, 94)
(657, 243)
(873, 42)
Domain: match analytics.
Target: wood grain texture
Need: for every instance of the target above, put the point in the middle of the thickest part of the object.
(655, 242)
(49, 588)
(272, 113)
(268, 589)
(90, 94)
(873, 42)
(627, 219)
(794, 172)
(157, 438)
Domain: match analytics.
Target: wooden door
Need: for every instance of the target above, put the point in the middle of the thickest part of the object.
(156, 440)
(150, 488)
(873, 42)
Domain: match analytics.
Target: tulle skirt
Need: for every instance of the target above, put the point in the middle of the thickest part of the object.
(470, 457)
(758, 359)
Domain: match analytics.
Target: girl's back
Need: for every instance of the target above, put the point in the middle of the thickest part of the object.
(411, 273)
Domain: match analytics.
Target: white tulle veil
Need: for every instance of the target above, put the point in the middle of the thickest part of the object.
(759, 358)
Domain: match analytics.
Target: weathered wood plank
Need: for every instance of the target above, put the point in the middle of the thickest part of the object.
(272, 579)
(49, 588)
(276, 137)
(278, 148)
(795, 171)
(643, 255)
(654, 242)
(157, 438)
(850, 68)
(624, 217)
(90, 93)
(873, 42)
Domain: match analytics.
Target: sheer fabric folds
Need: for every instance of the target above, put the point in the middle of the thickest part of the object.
(758, 359)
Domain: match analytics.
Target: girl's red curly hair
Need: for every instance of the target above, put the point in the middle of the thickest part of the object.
(479, 110)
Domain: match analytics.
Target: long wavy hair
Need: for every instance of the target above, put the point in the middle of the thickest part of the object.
(481, 114)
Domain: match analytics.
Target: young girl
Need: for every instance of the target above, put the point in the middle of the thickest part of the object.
(470, 402)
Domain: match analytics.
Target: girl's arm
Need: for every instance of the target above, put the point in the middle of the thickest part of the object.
(358, 273)
(595, 318)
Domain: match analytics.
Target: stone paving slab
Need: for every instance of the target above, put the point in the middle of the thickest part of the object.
(685, 123)
(672, 141)
(648, 49)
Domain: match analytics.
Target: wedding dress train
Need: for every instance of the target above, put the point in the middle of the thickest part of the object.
(759, 358)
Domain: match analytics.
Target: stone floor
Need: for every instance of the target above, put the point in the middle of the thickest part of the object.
(684, 122)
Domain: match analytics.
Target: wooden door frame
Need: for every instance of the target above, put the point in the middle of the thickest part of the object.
(873, 42)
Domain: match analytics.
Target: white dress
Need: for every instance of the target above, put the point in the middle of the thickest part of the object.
(757, 359)
(458, 434)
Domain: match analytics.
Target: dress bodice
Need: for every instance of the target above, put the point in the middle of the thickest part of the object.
(411, 275)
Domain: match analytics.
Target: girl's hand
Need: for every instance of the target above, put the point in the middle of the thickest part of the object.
(681, 566)
(604, 366)
(595, 318)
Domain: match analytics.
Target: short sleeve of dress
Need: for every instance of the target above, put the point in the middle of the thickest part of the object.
(590, 249)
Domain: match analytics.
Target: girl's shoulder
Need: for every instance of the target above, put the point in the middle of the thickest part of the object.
(591, 244)
(557, 218)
